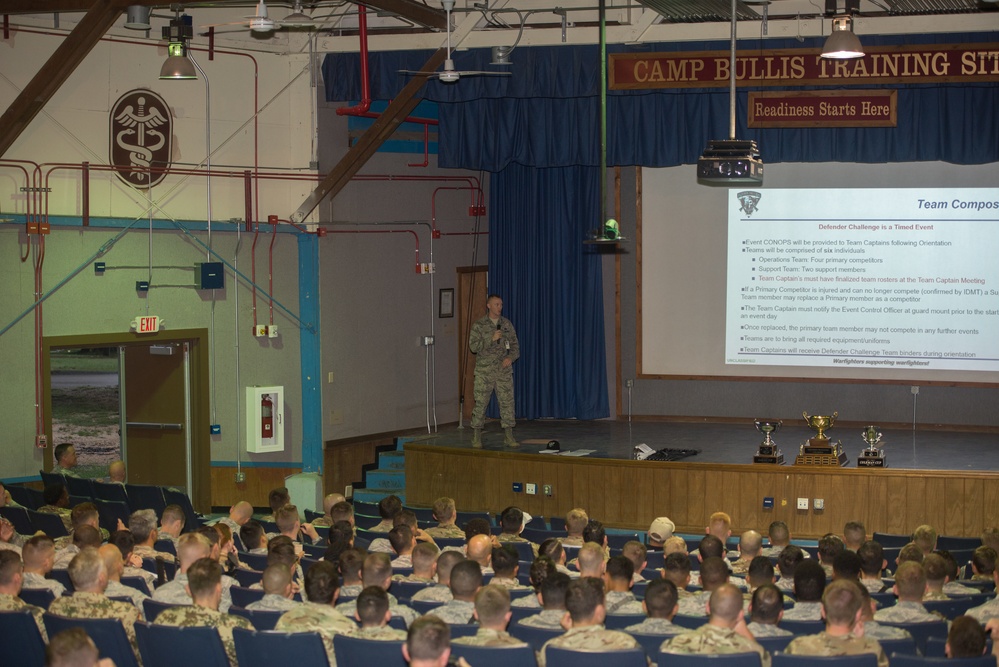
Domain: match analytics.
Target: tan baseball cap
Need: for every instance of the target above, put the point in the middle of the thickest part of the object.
(661, 529)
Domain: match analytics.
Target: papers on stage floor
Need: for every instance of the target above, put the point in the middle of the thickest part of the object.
(578, 452)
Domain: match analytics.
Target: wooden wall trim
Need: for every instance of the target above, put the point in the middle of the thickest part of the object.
(629, 494)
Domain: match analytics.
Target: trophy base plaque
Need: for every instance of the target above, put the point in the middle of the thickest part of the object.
(822, 452)
(769, 455)
(872, 459)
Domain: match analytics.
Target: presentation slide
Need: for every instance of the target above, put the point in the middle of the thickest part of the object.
(863, 278)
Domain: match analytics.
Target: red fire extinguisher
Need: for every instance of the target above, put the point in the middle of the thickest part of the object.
(266, 417)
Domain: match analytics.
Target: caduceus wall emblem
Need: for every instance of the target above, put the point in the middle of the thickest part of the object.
(140, 138)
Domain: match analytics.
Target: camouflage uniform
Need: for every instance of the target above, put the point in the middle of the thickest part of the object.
(116, 589)
(34, 580)
(904, 612)
(954, 588)
(711, 639)
(381, 545)
(61, 512)
(65, 472)
(413, 578)
(508, 583)
(162, 535)
(804, 611)
(321, 618)
(785, 584)
(150, 578)
(526, 602)
(348, 608)
(448, 530)
(548, 619)
(351, 590)
(592, 639)
(173, 592)
(384, 526)
(96, 605)
(323, 522)
(438, 593)
(655, 626)
(695, 605)
(193, 616)
(381, 633)
(824, 644)
(874, 585)
(14, 603)
(984, 612)
(63, 557)
(489, 637)
(622, 602)
(233, 526)
(404, 561)
(273, 602)
(505, 538)
(875, 630)
(767, 630)
(740, 567)
(935, 595)
(455, 611)
(572, 541)
(489, 371)
(148, 552)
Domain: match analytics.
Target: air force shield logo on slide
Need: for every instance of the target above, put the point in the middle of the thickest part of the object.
(749, 200)
(140, 138)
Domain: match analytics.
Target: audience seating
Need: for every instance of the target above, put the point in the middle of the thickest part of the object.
(107, 633)
(152, 608)
(561, 657)
(536, 637)
(463, 629)
(774, 644)
(18, 518)
(40, 597)
(109, 512)
(407, 589)
(951, 543)
(111, 492)
(147, 497)
(520, 613)
(51, 478)
(165, 546)
(241, 597)
(247, 578)
(267, 649)
(424, 514)
(461, 518)
(539, 536)
(168, 646)
(862, 660)
(364, 507)
(655, 560)
(262, 619)
(935, 647)
(443, 542)
(423, 607)
(902, 660)
(525, 551)
(363, 522)
(495, 656)
(622, 621)
(62, 576)
(618, 540)
(702, 660)
(50, 524)
(695, 563)
(886, 599)
(650, 644)
(557, 523)
(951, 609)
(257, 561)
(889, 541)
(19, 634)
(689, 622)
(75, 500)
(138, 583)
(153, 566)
(356, 651)
(26, 496)
(80, 486)
(311, 516)
(904, 646)
(803, 627)
(921, 631)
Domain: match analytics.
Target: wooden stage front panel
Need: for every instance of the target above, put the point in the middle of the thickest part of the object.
(629, 494)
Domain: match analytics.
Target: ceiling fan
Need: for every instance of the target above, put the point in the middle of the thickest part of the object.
(261, 23)
(449, 74)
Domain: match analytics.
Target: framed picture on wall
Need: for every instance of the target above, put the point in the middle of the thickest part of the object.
(446, 307)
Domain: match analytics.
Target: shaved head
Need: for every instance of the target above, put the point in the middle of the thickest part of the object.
(480, 549)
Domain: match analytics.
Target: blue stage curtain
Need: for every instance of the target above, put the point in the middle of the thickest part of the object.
(546, 114)
(551, 287)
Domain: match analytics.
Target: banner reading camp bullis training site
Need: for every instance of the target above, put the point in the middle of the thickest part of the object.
(929, 63)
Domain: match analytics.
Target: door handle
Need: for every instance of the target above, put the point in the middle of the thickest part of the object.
(155, 425)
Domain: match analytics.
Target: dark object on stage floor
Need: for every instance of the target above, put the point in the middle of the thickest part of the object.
(554, 446)
(768, 452)
(667, 454)
(872, 457)
(820, 450)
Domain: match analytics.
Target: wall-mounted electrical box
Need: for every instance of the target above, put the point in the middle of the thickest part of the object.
(264, 419)
(209, 275)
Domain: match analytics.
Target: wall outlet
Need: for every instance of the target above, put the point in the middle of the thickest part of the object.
(803, 503)
(348, 491)
(260, 330)
(532, 489)
(629, 383)
(548, 490)
(428, 341)
(915, 390)
(819, 504)
(272, 331)
(240, 477)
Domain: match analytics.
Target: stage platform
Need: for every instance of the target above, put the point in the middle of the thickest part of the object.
(733, 443)
(947, 479)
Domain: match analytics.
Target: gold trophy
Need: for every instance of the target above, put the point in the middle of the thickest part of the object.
(872, 457)
(820, 450)
(768, 452)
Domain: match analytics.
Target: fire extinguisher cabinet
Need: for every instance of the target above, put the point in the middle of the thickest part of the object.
(264, 419)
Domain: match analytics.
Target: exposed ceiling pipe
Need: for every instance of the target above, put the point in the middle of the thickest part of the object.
(365, 105)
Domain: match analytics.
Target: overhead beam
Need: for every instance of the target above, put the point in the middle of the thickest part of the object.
(414, 11)
(368, 143)
(60, 6)
(60, 65)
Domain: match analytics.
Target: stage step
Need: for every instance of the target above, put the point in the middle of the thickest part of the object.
(385, 478)
(389, 478)
(392, 460)
(375, 495)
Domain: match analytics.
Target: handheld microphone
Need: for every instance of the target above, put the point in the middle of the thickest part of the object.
(499, 326)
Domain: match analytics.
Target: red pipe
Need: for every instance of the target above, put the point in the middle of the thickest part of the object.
(273, 220)
(362, 31)
(434, 232)
(426, 149)
(253, 273)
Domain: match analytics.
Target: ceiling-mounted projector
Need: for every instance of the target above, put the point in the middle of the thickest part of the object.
(730, 162)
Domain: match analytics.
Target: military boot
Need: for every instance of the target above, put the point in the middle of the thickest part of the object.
(509, 441)
(477, 438)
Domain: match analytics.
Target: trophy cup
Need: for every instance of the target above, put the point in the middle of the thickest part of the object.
(820, 450)
(872, 457)
(768, 452)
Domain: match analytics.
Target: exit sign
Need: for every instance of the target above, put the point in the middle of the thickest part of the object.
(146, 324)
